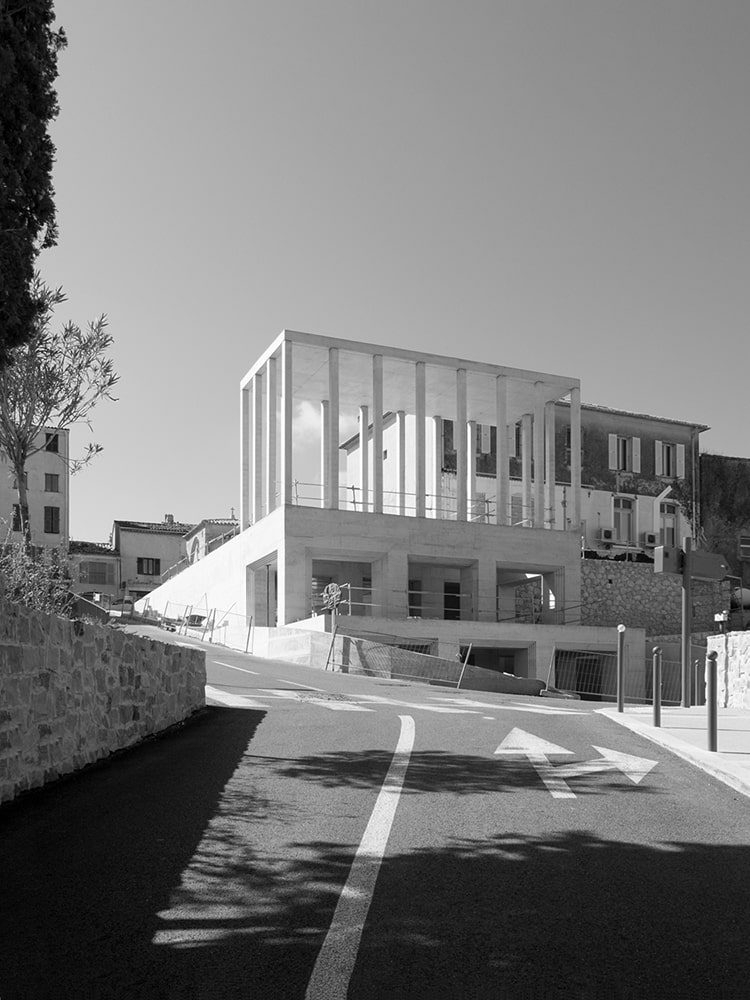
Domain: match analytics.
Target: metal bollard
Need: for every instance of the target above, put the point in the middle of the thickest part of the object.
(620, 668)
(657, 685)
(713, 741)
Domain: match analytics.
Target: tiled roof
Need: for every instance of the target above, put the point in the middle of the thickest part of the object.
(155, 527)
(76, 548)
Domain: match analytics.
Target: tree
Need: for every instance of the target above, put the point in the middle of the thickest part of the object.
(28, 103)
(54, 380)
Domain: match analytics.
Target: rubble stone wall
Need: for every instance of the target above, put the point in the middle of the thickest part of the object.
(73, 693)
(733, 669)
(631, 594)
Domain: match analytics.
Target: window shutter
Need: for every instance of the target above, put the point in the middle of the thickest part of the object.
(680, 461)
(613, 451)
(658, 465)
(636, 454)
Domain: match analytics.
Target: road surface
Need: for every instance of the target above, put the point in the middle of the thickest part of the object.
(320, 836)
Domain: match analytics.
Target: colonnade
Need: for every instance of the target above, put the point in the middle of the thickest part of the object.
(267, 410)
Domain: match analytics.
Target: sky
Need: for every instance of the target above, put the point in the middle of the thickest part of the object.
(555, 185)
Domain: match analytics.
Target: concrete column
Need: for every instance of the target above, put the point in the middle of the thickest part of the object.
(364, 456)
(502, 483)
(393, 580)
(401, 434)
(469, 593)
(437, 466)
(486, 604)
(549, 461)
(246, 514)
(325, 447)
(575, 456)
(257, 452)
(377, 433)
(471, 468)
(287, 421)
(526, 445)
(459, 440)
(539, 454)
(419, 437)
(270, 435)
(333, 439)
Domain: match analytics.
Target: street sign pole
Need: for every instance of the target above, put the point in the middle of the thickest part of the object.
(687, 618)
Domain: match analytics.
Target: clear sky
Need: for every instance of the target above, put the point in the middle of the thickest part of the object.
(561, 185)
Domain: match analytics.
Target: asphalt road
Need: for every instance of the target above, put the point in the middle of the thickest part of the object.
(318, 836)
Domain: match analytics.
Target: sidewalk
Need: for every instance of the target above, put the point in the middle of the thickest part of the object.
(684, 731)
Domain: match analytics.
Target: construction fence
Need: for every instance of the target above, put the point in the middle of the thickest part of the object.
(592, 675)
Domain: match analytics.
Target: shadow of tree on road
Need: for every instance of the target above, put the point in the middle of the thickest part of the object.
(180, 874)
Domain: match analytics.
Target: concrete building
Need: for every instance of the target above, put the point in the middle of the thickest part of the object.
(406, 545)
(47, 484)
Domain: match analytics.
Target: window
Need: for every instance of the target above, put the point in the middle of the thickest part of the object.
(52, 520)
(96, 571)
(568, 452)
(744, 546)
(148, 567)
(668, 525)
(669, 459)
(51, 482)
(624, 453)
(52, 442)
(17, 525)
(451, 601)
(623, 520)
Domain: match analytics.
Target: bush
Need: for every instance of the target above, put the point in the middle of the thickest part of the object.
(37, 577)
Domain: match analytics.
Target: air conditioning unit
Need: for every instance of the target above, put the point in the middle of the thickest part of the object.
(650, 539)
(606, 534)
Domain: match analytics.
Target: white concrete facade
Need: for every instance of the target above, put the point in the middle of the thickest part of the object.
(405, 546)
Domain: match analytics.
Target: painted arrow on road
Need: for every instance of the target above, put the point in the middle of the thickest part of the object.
(538, 751)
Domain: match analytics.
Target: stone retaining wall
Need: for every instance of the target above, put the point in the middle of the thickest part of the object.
(632, 594)
(73, 693)
(733, 669)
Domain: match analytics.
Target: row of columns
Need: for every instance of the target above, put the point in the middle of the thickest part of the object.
(262, 426)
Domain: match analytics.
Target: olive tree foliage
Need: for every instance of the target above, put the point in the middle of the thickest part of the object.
(29, 46)
(54, 380)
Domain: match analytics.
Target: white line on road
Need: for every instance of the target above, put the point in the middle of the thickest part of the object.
(231, 700)
(220, 663)
(335, 962)
(378, 700)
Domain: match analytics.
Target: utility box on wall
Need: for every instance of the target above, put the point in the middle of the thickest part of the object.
(667, 560)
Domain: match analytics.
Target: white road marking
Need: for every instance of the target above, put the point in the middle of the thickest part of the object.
(307, 687)
(378, 700)
(540, 710)
(335, 963)
(338, 706)
(220, 663)
(538, 751)
(231, 700)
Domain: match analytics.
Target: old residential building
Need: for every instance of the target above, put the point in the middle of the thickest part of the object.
(47, 484)
(146, 549)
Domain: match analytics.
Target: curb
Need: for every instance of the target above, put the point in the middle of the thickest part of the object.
(734, 775)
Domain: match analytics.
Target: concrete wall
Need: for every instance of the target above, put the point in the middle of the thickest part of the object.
(632, 594)
(733, 669)
(71, 694)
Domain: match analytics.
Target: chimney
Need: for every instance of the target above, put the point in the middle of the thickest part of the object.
(169, 518)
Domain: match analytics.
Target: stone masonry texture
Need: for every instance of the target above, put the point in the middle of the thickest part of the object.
(74, 693)
(732, 669)
(631, 594)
